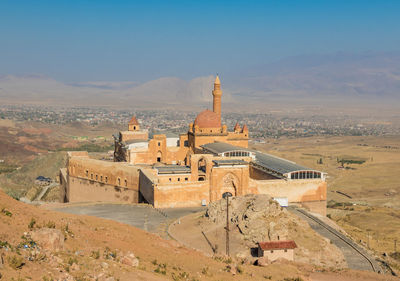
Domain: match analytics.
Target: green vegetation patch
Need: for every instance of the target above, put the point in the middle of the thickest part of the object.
(89, 147)
(7, 168)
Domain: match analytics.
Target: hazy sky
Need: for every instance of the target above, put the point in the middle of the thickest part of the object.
(143, 40)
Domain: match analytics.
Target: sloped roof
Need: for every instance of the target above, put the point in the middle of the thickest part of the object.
(172, 169)
(277, 245)
(268, 161)
(221, 147)
(133, 121)
(276, 164)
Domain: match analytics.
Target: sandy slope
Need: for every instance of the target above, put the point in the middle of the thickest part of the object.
(94, 234)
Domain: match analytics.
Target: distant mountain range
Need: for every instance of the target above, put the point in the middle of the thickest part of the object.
(336, 77)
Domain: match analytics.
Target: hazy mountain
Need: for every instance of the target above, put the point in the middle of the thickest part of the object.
(336, 77)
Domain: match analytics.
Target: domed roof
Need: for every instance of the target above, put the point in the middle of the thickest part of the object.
(208, 119)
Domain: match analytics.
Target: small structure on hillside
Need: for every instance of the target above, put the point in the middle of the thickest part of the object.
(274, 250)
(41, 180)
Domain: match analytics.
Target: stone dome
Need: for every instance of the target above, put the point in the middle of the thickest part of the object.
(208, 119)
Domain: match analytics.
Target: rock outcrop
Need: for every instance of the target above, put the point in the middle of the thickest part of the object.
(48, 238)
(256, 218)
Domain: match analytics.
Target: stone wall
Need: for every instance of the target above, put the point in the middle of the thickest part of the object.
(279, 254)
(97, 180)
(187, 194)
(146, 185)
(85, 190)
(229, 179)
(237, 139)
(157, 148)
(257, 174)
(309, 192)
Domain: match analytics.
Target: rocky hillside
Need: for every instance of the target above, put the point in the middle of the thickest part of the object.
(257, 218)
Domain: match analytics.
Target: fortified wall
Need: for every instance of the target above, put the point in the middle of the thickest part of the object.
(96, 180)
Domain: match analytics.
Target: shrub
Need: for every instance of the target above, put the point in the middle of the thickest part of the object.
(239, 269)
(95, 254)
(32, 223)
(51, 224)
(6, 212)
(16, 262)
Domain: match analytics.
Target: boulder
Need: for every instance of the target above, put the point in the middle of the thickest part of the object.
(263, 261)
(130, 259)
(65, 277)
(48, 238)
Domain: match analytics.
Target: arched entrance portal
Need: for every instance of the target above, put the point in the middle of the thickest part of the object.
(229, 185)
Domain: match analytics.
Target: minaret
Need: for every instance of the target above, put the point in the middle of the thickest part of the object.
(217, 93)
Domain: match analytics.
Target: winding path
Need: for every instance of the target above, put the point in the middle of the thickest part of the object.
(355, 256)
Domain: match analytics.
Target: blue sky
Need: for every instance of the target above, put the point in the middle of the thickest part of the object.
(142, 40)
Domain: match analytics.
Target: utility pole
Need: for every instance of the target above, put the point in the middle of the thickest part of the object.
(227, 225)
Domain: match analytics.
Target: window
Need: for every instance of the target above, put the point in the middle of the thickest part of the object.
(119, 181)
(91, 176)
(97, 177)
(272, 251)
(106, 179)
(126, 182)
(285, 250)
(101, 178)
(134, 127)
(179, 179)
(186, 179)
(87, 173)
(170, 179)
(159, 144)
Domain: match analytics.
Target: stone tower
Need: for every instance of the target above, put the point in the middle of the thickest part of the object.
(133, 125)
(217, 93)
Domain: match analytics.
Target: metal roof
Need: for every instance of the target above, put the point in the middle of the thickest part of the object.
(173, 169)
(222, 147)
(269, 162)
(230, 162)
(278, 165)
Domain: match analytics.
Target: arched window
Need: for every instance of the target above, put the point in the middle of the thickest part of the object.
(202, 165)
(159, 156)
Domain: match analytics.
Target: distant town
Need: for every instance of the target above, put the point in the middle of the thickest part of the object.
(260, 125)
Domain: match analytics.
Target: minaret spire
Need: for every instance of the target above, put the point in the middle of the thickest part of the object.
(217, 93)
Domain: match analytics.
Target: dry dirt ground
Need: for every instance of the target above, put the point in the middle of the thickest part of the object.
(372, 213)
(89, 242)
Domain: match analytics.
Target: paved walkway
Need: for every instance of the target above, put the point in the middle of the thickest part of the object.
(138, 215)
(354, 259)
